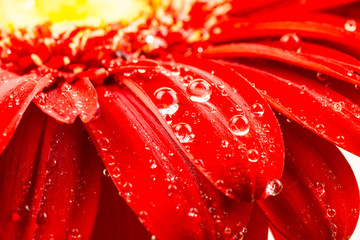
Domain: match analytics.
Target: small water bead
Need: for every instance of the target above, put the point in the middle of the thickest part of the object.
(127, 189)
(239, 125)
(338, 106)
(199, 90)
(104, 144)
(350, 25)
(166, 100)
(253, 155)
(340, 139)
(290, 41)
(193, 212)
(172, 188)
(331, 212)
(321, 76)
(224, 143)
(257, 109)
(143, 216)
(320, 189)
(320, 128)
(187, 79)
(273, 187)
(75, 235)
(183, 132)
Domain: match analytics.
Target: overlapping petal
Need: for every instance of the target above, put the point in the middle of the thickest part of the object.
(154, 174)
(67, 101)
(49, 189)
(241, 153)
(16, 93)
(320, 196)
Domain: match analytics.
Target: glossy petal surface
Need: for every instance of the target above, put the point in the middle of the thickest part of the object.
(241, 153)
(67, 101)
(320, 197)
(308, 102)
(16, 94)
(54, 159)
(156, 177)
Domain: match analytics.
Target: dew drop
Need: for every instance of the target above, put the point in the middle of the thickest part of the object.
(187, 79)
(331, 212)
(273, 187)
(338, 106)
(320, 189)
(239, 125)
(166, 100)
(127, 189)
(290, 41)
(321, 76)
(183, 132)
(340, 139)
(350, 25)
(257, 109)
(199, 90)
(143, 215)
(172, 188)
(253, 155)
(104, 144)
(224, 143)
(320, 128)
(75, 235)
(193, 212)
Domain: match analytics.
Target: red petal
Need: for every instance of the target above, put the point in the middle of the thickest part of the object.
(321, 27)
(328, 66)
(154, 174)
(115, 220)
(227, 131)
(68, 101)
(308, 102)
(16, 94)
(257, 228)
(54, 159)
(320, 198)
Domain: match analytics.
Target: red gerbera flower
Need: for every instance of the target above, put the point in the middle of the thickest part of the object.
(214, 120)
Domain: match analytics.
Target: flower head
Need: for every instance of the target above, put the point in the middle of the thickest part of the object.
(211, 120)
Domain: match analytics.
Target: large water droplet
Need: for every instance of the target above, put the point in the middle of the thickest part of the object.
(350, 25)
(239, 125)
(199, 90)
(166, 100)
(290, 41)
(183, 132)
(273, 187)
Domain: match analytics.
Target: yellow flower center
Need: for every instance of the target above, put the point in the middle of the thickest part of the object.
(26, 13)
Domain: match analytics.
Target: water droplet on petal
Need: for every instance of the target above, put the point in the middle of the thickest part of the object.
(350, 25)
(199, 90)
(320, 189)
(183, 132)
(224, 143)
(193, 212)
(290, 41)
(253, 155)
(127, 189)
(320, 128)
(166, 100)
(239, 125)
(104, 144)
(257, 109)
(75, 235)
(331, 212)
(340, 139)
(273, 187)
(321, 76)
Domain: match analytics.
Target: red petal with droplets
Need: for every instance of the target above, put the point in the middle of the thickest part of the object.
(115, 219)
(16, 94)
(320, 196)
(328, 66)
(154, 174)
(339, 32)
(241, 153)
(54, 159)
(308, 102)
(257, 228)
(67, 101)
